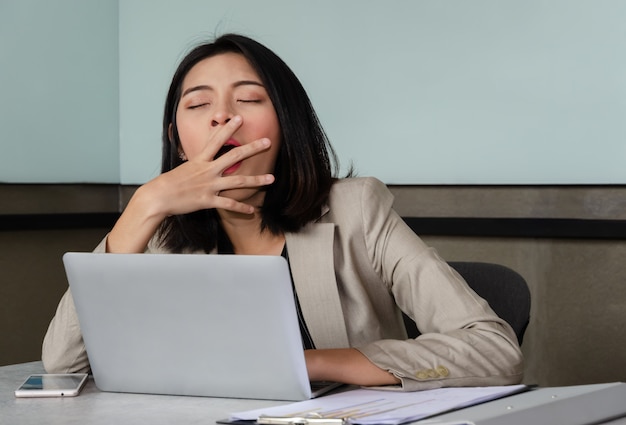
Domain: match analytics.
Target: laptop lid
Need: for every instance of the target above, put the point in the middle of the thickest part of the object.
(186, 324)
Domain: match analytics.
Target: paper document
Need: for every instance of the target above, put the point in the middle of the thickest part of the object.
(367, 407)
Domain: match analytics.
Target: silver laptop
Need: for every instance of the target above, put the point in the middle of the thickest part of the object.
(199, 325)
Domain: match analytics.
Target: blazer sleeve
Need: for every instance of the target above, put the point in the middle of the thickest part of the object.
(63, 349)
(463, 342)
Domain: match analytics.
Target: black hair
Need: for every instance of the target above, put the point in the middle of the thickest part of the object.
(306, 165)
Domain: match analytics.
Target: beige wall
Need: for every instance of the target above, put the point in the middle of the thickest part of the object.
(577, 332)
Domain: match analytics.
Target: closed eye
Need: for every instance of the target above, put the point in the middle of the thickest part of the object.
(199, 105)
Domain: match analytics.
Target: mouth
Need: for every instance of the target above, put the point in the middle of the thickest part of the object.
(228, 146)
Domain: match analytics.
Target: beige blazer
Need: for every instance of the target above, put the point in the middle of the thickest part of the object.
(354, 270)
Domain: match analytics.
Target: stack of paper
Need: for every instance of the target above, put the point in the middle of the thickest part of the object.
(367, 407)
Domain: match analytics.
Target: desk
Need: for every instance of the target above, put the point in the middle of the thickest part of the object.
(96, 407)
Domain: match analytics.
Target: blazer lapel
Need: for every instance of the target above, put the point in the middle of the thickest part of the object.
(312, 266)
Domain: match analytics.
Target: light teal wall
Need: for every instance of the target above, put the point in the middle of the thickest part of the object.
(422, 92)
(443, 92)
(59, 91)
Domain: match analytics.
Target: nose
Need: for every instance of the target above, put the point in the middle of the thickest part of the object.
(221, 117)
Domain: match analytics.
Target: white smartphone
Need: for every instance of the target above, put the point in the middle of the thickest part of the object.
(52, 385)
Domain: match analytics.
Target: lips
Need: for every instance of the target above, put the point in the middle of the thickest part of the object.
(228, 146)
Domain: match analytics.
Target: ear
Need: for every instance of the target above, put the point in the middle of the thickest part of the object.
(170, 133)
(170, 136)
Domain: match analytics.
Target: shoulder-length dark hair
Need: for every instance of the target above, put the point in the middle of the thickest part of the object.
(306, 165)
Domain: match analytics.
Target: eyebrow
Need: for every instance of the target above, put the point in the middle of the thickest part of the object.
(236, 84)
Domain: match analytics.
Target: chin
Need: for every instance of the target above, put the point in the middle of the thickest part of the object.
(253, 196)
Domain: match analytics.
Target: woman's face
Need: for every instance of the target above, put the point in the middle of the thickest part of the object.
(215, 90)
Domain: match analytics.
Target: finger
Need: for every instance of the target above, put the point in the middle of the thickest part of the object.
(242, 152)
(244, 182)
(219, 137)
(229, 204)
(240, 182)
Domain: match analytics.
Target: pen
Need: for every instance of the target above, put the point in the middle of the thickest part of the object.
(298, 420)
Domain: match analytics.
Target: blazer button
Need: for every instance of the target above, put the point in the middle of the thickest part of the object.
(432, 373)
(443, 371)
(421, 375)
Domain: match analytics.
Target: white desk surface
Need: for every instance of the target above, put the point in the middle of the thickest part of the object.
(95, 407)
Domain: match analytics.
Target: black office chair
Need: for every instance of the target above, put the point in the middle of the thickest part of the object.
(504, 289)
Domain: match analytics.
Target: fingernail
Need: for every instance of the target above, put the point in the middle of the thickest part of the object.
(236, 119)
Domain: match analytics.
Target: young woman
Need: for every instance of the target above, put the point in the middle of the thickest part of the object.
(247, 169)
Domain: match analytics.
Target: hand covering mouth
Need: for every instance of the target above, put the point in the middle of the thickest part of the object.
(228, 146)
(224, 150)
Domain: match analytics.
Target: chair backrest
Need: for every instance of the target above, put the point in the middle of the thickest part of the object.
(504, 289)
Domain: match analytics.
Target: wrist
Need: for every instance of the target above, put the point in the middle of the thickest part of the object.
(346, 365)
(147, 206)
(136, 225)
